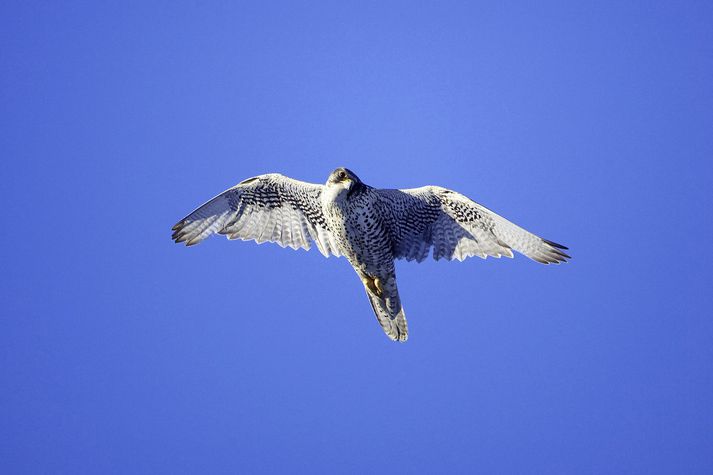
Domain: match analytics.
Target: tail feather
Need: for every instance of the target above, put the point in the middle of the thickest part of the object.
(393, 323)
(384, 298)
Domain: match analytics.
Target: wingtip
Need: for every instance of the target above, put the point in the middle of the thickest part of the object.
(554, 244)
(193, 242)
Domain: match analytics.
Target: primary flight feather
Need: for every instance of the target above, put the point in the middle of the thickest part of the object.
(368, 226)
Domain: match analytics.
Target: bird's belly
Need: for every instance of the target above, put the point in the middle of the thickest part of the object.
(364, 241)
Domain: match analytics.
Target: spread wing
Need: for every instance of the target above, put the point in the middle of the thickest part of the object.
(456, 228)
(269, 207)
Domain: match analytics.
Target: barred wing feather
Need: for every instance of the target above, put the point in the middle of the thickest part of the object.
(266, 208)
(455, 227)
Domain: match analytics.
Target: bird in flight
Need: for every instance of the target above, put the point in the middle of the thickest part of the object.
(370, 227)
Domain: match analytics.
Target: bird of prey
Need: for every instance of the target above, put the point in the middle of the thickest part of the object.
(370, 227)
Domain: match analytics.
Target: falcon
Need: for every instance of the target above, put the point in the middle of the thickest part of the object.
(370, 227)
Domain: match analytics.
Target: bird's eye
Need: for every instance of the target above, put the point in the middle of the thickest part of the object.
(342, 175)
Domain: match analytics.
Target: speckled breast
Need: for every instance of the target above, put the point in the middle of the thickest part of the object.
(360, 231)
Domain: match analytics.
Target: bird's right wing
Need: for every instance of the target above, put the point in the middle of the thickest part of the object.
(269, 207)
(457, 227)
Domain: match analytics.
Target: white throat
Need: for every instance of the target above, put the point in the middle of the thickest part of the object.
(335, 192)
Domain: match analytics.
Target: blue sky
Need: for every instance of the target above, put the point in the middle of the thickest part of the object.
(589, 124)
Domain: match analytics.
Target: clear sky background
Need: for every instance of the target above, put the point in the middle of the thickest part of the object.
(589, 124)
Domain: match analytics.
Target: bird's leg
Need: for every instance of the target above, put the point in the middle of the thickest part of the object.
(379, 287)
(373, 284)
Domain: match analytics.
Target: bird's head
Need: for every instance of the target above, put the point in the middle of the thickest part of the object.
(342, 179)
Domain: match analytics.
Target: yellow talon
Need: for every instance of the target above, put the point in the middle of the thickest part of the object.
(373, 284)
(379, 287)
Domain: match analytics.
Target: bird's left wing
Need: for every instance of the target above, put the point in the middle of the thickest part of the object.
(456, 227)
(271, 207)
